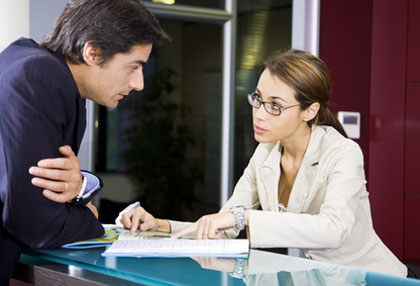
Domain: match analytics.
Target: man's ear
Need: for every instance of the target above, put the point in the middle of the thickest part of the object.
(91, 54)
(311, 112)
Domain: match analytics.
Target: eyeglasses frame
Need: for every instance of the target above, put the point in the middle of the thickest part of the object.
(254, 95)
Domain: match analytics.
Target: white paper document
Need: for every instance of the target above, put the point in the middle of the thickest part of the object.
(179, 248)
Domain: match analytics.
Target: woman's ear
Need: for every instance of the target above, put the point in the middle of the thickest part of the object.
(310, 112)
(91, 54)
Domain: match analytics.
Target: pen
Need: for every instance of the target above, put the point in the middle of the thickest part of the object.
(132, 206)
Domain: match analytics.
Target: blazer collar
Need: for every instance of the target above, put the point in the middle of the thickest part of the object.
(270, 172)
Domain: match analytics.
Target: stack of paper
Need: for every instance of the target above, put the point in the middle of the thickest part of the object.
(112, 233)
(179, 248)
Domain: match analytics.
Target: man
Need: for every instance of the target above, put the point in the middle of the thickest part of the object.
(96, 50)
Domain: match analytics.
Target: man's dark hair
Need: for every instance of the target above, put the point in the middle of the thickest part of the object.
(114, 26)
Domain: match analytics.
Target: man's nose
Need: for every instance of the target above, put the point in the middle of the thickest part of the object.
(137, 82)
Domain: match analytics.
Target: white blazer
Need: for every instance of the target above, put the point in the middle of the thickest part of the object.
(328, 214)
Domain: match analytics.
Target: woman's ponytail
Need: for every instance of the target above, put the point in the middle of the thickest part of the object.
(327, 116)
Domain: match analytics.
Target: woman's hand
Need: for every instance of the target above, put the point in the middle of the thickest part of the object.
(60, 178)
(209, 226)
(139, 218)
(216, 263)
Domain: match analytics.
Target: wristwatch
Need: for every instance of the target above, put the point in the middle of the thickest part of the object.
(239, 269)
(238, 213)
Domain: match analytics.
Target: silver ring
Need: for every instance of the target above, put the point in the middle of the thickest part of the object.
(67, 186)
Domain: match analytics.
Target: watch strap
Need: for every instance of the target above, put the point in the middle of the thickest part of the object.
(239, 214)
(239, 269)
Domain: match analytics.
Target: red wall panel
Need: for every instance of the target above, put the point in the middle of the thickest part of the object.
(412, 136)
(364, 43)
(345, 39)
(413, 48)
(387, 119)
(412, 229)
(412, 142)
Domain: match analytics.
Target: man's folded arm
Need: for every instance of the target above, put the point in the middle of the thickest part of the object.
(32, 129)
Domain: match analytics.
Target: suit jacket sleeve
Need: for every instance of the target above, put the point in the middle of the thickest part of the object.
(37, 115)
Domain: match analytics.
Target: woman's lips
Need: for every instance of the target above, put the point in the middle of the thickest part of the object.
(259, 130)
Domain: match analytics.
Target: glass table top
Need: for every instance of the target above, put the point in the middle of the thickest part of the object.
(261, 268)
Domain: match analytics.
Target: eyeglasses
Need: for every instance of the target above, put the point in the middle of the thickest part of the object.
(272, 108)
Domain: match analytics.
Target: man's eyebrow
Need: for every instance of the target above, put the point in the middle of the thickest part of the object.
(139, 62)
(271, 97)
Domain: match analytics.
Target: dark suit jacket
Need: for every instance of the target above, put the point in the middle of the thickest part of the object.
(40, 110)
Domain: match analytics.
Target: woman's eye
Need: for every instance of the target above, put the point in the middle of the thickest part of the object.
(134, 68)
(276, 106)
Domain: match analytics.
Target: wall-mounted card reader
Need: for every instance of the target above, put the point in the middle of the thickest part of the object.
(351, 123)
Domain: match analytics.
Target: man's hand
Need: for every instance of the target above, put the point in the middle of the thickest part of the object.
(59, 177)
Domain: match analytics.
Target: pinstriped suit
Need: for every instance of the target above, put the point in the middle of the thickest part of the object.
(40, 110)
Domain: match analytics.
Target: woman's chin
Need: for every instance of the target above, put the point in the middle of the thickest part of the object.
(262, 139)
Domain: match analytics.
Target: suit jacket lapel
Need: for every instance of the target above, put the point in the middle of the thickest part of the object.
(306, 174)
(80, 123)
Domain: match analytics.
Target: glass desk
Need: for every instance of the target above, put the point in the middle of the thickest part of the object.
(88, 267)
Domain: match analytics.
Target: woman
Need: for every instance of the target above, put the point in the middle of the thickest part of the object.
(305, 175)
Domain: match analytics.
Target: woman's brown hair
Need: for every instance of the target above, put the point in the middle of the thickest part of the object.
(309, 77)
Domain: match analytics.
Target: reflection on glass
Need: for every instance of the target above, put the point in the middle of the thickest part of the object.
(264, 268)
(261, 268)
(167, 2)
(201, 3)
